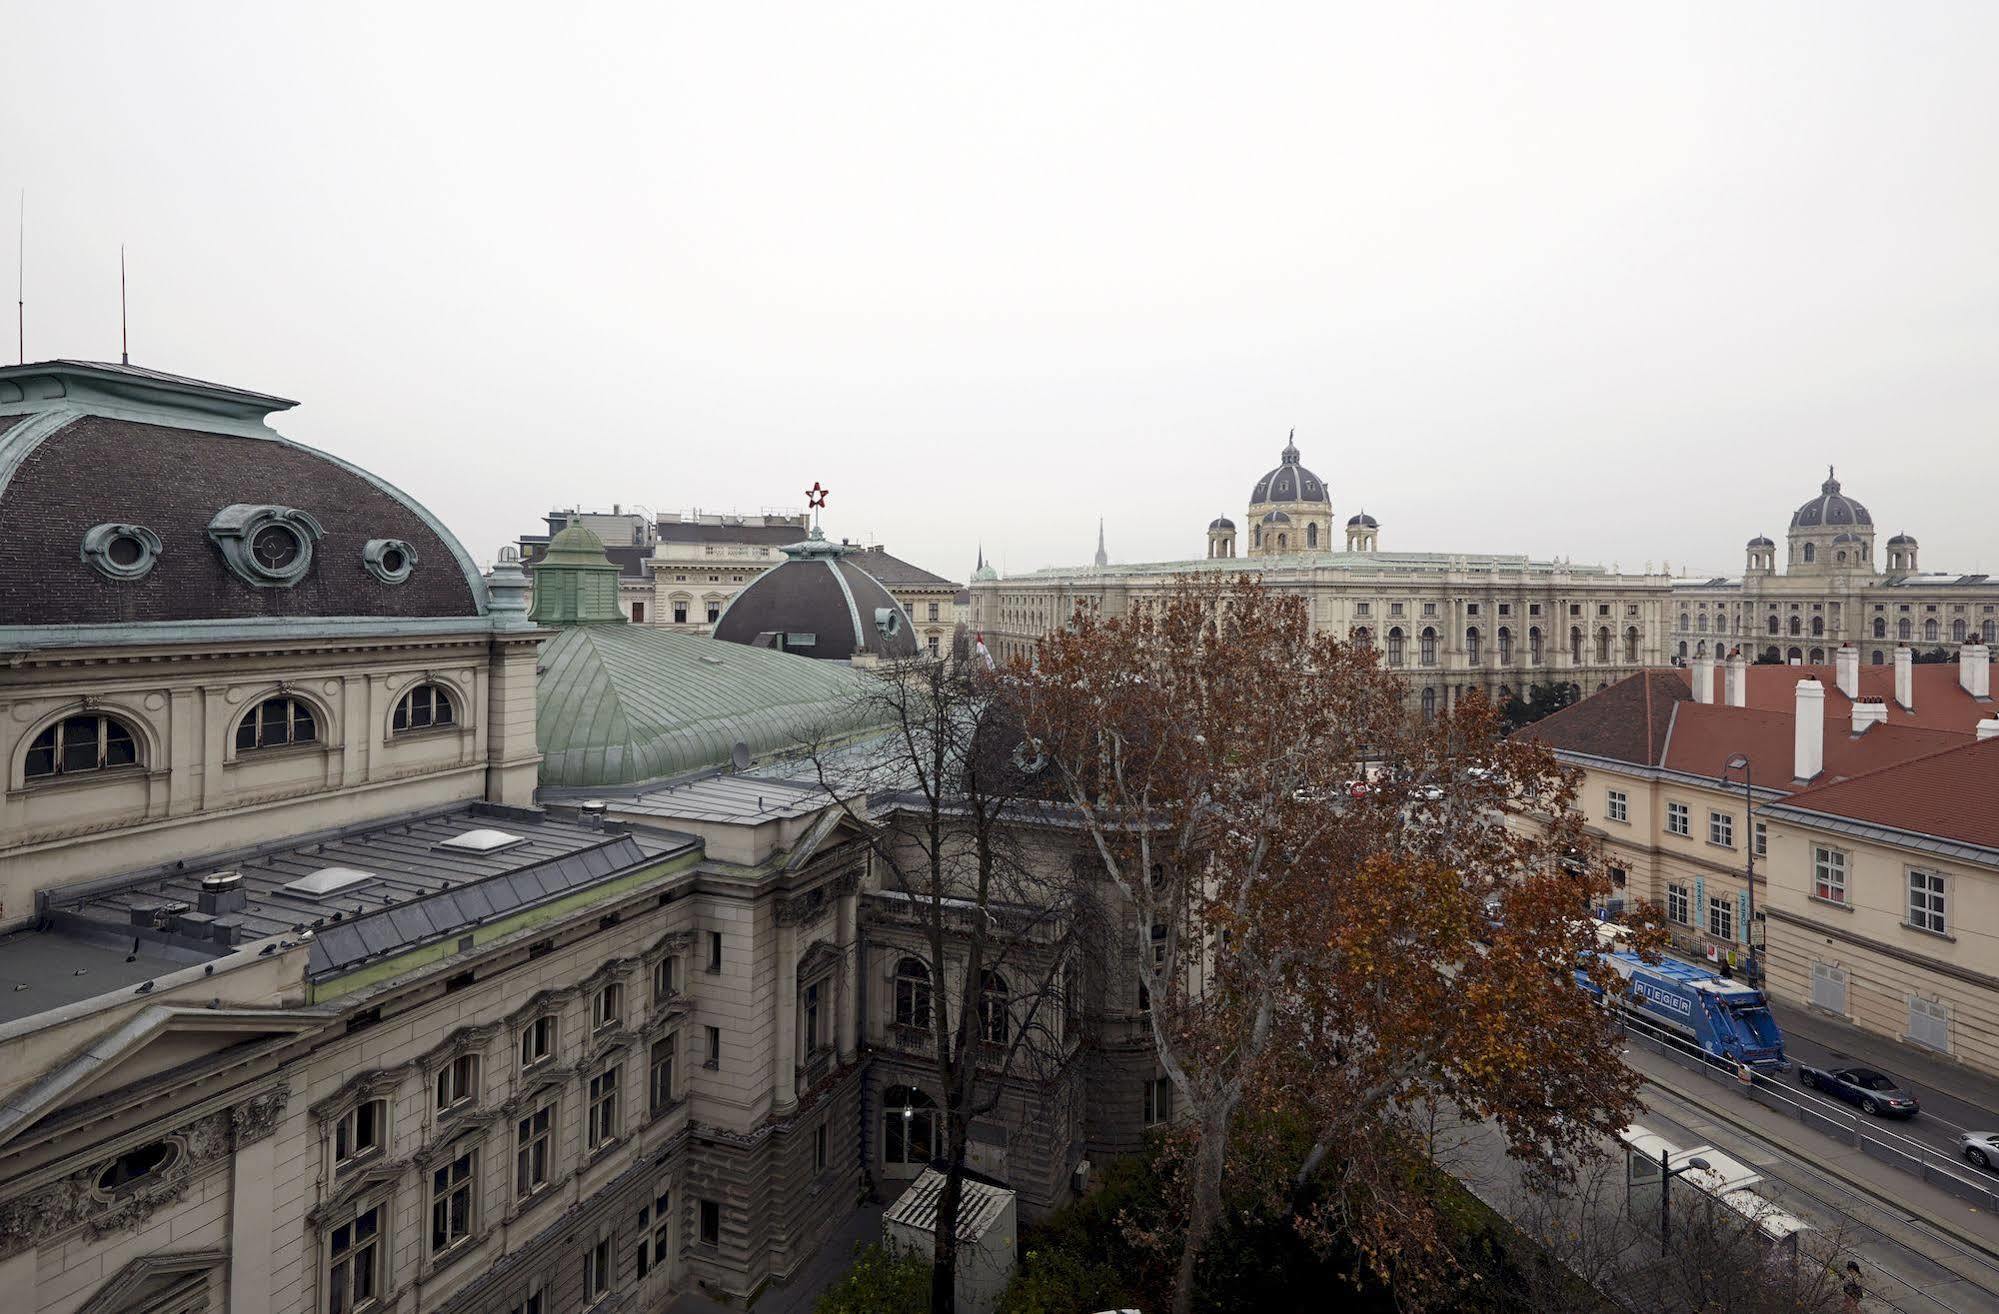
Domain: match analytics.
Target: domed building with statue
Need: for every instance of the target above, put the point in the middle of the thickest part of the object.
(1450, 622)
(1833, 589)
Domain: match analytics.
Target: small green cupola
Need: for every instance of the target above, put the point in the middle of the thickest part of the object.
(574, 582)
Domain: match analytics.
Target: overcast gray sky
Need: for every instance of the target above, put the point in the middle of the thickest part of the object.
(1612, 281)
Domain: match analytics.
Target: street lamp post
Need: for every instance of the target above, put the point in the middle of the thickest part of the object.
(1666, 1176)
(1752, 969)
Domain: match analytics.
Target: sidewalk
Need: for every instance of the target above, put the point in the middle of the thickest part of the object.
(1923, 1066)
(797, 1296)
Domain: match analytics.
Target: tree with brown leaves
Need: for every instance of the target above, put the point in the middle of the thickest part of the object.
(1349, 932)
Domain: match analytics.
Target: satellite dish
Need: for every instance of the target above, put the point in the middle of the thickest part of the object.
(739, 755)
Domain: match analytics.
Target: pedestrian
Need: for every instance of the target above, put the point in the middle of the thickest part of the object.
(1852, 1289)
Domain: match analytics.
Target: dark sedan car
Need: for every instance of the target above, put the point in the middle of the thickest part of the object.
(1875, 1092)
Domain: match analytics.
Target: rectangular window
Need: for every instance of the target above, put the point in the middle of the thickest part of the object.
(603, 1111)
(665, 979)
(714, 951)
(711, 1223)
(662, 1223)
(537, 1041)
(608, 1009)
(358, 1134)
(451, 1196)
(933, 610)
(680, 613)
(1159, 943)
(1158, 1100)
(1679, 819)
(1676, 905)
(714, 1047)
(458, 1082)
(819, 1147)
(1721, 829)
(531, 1147)
(1829, 874)
(714, 612)
(597, 1270)
(1926, 900)
(1721, 916)
(531, 1304)
(662, 1073)
(1617, 805)
(354, 1262)
(1762, 840)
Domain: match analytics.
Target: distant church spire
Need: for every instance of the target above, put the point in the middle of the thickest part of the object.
(1102, 558)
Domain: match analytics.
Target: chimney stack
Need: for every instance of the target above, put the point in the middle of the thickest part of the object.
(1737, 680)
(1808, 748)
(1703, 676)
(1868, 712)
(1846, 663)
(1974, 670)
(1905, 679)
(1988, 729)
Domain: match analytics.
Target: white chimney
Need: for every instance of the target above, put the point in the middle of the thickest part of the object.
(1905, 680)
(1974, 670)
(1988, 728)
(1808, 750)
(1867, 712)
(1738, 679)
(1847, 665)
(1703, 675)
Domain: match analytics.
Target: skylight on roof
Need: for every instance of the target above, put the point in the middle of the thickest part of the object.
(327, 880)
(481, 841)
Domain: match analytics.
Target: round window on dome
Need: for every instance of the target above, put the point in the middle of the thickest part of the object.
(889, 621)
(389, 560)
(121, 551)
(266, 546)
(275, 547)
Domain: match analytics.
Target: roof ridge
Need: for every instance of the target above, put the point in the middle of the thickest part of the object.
(1891, 766)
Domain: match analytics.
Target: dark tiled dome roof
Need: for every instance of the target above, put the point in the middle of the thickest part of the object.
(1276, 518)
(823, 593)
(1846, 538)
(1221, 522)
(1900, 538)
(1761, 541)
(1364, 521)
(1830, 507)
(1289, 482)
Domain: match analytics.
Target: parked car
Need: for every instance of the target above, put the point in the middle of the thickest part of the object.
(1875, 1092)
(1981, 1148)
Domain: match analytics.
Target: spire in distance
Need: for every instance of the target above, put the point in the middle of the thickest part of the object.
(1102, 558)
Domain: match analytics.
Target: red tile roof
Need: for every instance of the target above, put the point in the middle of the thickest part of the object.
(1706, 735)
(1626, 722)
(1952, 795)
(1940, 703)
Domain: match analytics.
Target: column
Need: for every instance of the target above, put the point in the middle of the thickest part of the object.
(251, 1205)
(785, 1097)
(848, 915)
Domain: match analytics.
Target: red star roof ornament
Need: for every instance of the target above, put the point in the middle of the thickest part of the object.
(815, 496)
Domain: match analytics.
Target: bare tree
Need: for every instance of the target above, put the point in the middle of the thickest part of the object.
(975, 895)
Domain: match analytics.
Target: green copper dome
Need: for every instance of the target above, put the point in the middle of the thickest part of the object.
(626, 704)
(574, 582)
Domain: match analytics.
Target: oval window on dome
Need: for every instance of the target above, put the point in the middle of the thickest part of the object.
(889, 621)
(389, 560)
(121, 551)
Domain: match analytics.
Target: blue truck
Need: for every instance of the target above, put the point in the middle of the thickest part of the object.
(1721, 1016)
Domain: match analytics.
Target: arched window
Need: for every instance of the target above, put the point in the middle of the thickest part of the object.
(1429, 704)
(274, 723)
(1702, 623)
(909, 1126)
(1770, 654)
(912, 993)
(1256, 535)
(1534, 645)
(1811, 553)
(1363, 639)
(1683, 648)
(425, 706)
(1505, 646)
(1774, 625)
(1700, 649)
(1904, 630)
(1797, 626)
(1880, 627)
(1603, 643)
(77, 744)
(1957, 630)
(1818, 627)
(1930, 630)
(994, 1017)
(1988, 632)
(1840, 556)
(1794, 656)
(1818, 657)
(1631, 644)
(1396, 656)
(1471, 645)
(1576, 644)
(1685, 624)
(1428, 651)
(1878, 658)
(1283, 542)
(1311, 536)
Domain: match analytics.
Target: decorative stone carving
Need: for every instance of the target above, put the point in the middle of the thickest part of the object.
(258, 1116)
(78, 1200)
(799, 909)
(846, 883)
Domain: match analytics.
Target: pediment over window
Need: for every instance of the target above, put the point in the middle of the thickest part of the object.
(819, 960)
(182, 1283)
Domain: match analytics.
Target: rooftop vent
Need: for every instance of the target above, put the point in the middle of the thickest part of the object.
(221, 892)
(481, 841)
(327, 880)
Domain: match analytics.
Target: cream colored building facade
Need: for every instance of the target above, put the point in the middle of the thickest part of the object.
(1447, 623)
(1829, 591)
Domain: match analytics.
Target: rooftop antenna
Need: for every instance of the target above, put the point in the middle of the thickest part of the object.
(124, 329)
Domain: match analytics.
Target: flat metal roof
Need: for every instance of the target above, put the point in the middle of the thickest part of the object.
(730, 799)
